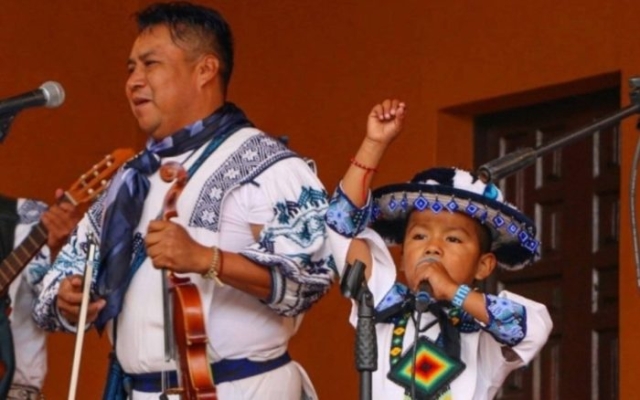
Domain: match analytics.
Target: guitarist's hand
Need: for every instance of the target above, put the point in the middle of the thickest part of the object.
(60, 220)
(170, 246)
(69, 299)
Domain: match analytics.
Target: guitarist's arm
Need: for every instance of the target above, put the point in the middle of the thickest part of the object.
(60, 220)
(58, 304)
(70, 259)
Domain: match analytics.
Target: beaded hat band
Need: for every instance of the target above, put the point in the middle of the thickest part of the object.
(456, 190)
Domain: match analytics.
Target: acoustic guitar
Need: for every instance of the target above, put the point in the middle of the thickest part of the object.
(85, 189)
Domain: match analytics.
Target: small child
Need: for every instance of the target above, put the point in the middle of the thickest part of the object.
(454, 230)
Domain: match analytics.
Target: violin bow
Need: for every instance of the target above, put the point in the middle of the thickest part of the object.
(86, 288)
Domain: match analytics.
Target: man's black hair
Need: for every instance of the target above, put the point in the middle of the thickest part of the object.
(185, 19)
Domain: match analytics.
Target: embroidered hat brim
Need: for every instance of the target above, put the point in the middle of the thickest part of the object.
(513, 233)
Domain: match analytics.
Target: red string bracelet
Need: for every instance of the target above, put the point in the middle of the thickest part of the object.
(362, 166)
(368, 170)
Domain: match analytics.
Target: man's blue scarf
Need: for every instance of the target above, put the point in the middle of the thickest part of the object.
(124, 202)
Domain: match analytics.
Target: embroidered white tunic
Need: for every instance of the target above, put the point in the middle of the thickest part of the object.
(249, 179)
(486, 367)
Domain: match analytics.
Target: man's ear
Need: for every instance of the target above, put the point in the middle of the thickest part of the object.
(486, 264)
(208, 69)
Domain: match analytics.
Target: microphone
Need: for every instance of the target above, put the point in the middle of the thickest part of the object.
(506, 165)
(50, 94)
(424, 296)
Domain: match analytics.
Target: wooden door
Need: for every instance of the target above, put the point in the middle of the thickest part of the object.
(573, 196)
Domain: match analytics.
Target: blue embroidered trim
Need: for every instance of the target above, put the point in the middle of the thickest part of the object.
(395, 296)
(252, 158)
(277, 288)
(507, 320)
(344, 217)
(96, 212)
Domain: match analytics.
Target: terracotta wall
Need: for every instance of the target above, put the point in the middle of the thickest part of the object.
(312, 70)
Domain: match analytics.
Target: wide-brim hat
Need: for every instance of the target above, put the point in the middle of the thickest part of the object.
(455, 190)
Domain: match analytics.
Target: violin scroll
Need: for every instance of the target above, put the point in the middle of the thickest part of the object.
(170, 172)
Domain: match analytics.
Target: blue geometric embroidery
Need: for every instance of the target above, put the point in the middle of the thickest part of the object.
(472, 209)
(95, 212)
(286, 210)
(513, 228)
(436, 206)
(531, 245)
(452, 205)
(498, 221)
(252, 158)
(507, 320)
(483, 216)
(393, 204)
(375, 211)
(344, 217)
(523, 236)
(404, 203)
(421, 203)
(313, 197)
(301, 222)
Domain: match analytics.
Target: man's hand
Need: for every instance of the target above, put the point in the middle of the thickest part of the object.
(385, 121)
(70, 297)
(170, 246)
(60, 220)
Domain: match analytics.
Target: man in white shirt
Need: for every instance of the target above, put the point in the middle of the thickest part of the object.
(247, 227)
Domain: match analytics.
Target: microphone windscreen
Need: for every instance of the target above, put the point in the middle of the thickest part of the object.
(54, 94)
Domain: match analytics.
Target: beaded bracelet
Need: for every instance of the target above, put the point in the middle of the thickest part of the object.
(460, 296)
(215, 267)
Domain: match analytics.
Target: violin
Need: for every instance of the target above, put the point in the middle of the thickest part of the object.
(196, 378)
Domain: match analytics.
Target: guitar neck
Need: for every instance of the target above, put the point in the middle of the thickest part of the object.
(18, 259)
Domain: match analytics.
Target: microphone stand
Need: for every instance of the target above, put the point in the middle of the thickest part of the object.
(521, 158)
(354, 286)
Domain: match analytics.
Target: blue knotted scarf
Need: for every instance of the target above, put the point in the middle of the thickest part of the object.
(124, 202)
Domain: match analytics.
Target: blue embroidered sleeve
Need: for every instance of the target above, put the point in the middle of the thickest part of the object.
(507, 320)
(37, 269)
(70, 261)
(294, 243)
(344, 217)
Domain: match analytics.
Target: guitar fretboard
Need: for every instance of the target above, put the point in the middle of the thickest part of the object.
(18, 259)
